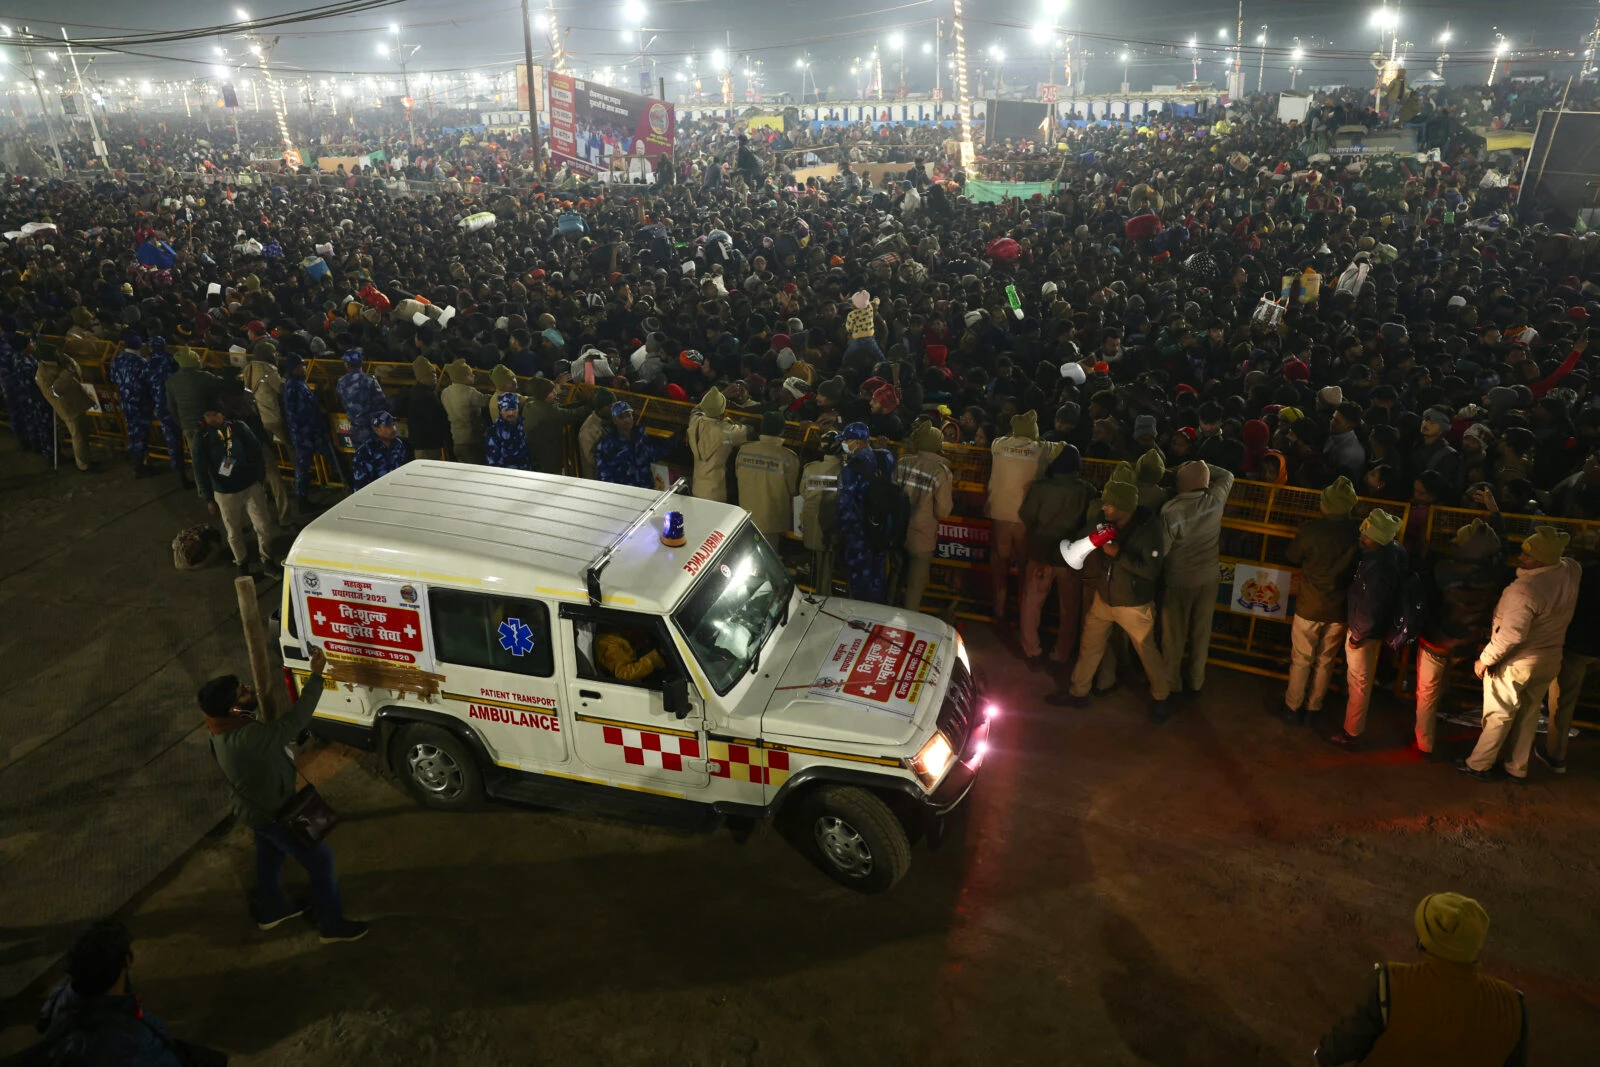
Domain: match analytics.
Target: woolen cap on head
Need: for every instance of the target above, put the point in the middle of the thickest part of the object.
(1193, 475)
(1546, 545)
(1451, 926)
(1069, 461)
(503, 377)
(1340, 497)
(1123, 472)
(185, 357)
(1144, 426)
(460, 372)
(832, 389)
(1069, 413)
(540, 388)
(1380, 526)
(1150, 467)
(714, 403)
(422, 370)
(1124, 496)
(1476, 540)
(927, 438)
(1025, 425)
(603, 399)
(1438, 416)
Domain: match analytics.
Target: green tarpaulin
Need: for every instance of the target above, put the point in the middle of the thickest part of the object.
(993, 192)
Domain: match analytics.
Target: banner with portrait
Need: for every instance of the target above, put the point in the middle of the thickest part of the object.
(593, 124)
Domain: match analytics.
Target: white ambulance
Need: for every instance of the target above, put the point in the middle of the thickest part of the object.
(589, 646)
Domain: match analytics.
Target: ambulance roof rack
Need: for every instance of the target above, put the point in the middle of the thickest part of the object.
(592, 573)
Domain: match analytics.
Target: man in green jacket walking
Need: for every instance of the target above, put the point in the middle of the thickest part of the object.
(190, 393)
(261, 777)
(1124, 597)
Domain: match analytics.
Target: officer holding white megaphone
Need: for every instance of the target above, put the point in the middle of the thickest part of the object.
(1075, 552)
(1131, 546)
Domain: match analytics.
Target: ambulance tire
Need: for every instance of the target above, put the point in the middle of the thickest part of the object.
(854, 837)
(437, 766)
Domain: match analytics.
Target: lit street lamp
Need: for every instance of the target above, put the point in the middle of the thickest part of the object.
(1501, 47)
(1294, 65)
(1125, 57)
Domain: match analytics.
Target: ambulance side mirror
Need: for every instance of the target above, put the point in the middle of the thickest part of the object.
(675, 697)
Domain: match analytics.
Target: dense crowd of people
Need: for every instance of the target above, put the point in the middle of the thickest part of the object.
(1198, 300)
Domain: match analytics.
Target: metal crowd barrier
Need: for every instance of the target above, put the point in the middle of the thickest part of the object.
(1259, 522)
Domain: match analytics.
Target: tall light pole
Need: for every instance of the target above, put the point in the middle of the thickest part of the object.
(1125, 57)
(1444, 39)
(1387, 20)
(1261, 70)
(533, 103)
(88, 105)
(1194, 55)
(1294, 65)
(803, 64)
(1501, 47)
(963, 102)
(44, 111)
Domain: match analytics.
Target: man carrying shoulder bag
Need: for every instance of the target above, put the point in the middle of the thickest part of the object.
(261, 773)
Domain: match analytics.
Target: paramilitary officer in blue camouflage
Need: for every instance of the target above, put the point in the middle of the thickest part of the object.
(384, 451)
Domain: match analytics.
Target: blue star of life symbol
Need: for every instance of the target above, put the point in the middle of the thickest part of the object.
(516, 637)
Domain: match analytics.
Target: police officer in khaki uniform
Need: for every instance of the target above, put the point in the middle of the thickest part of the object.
(1015, 461)
(768, 474)
(819, 486)
(61, 382)
(1325, 550)
(928, 484)
(712, 439)
(467, 408)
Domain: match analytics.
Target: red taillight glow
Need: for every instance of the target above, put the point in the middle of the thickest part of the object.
(290, 684)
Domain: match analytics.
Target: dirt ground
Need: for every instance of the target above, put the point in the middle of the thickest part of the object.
(1211, 891)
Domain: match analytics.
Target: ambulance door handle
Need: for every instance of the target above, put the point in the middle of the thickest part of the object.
(589, 693)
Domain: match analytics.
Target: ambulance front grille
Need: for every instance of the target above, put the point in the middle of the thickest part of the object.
(960, 706)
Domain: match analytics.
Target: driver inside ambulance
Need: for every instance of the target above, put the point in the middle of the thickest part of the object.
(628, 656)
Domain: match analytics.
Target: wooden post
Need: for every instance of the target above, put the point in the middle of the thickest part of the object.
(255, 643)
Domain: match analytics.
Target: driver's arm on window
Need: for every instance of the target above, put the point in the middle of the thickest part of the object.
(616, 657)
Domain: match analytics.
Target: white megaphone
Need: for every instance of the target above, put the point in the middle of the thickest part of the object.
(1075, 552)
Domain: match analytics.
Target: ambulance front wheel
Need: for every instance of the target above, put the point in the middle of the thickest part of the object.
(437, 766)
(854, 837)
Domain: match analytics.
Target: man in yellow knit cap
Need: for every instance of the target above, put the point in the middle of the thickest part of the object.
(1439, 1011)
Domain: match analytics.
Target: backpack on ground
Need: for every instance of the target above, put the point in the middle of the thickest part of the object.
(886, 510)
(193, 547)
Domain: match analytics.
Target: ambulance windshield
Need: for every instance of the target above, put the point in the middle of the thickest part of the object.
(735, 607)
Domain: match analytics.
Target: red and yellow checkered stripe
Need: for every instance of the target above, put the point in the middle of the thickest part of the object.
(746, 763)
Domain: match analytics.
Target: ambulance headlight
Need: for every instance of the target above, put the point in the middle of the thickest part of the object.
(934, 759)
(961, 653)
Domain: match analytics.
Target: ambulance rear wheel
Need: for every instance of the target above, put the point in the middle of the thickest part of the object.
(438, 767)
(854, 837)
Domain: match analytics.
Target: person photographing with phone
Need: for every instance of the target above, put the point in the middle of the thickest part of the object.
(253, 756)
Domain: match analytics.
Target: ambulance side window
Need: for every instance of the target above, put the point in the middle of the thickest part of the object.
(497, 633)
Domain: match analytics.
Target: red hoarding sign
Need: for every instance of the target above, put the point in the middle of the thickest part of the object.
(371, 631)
